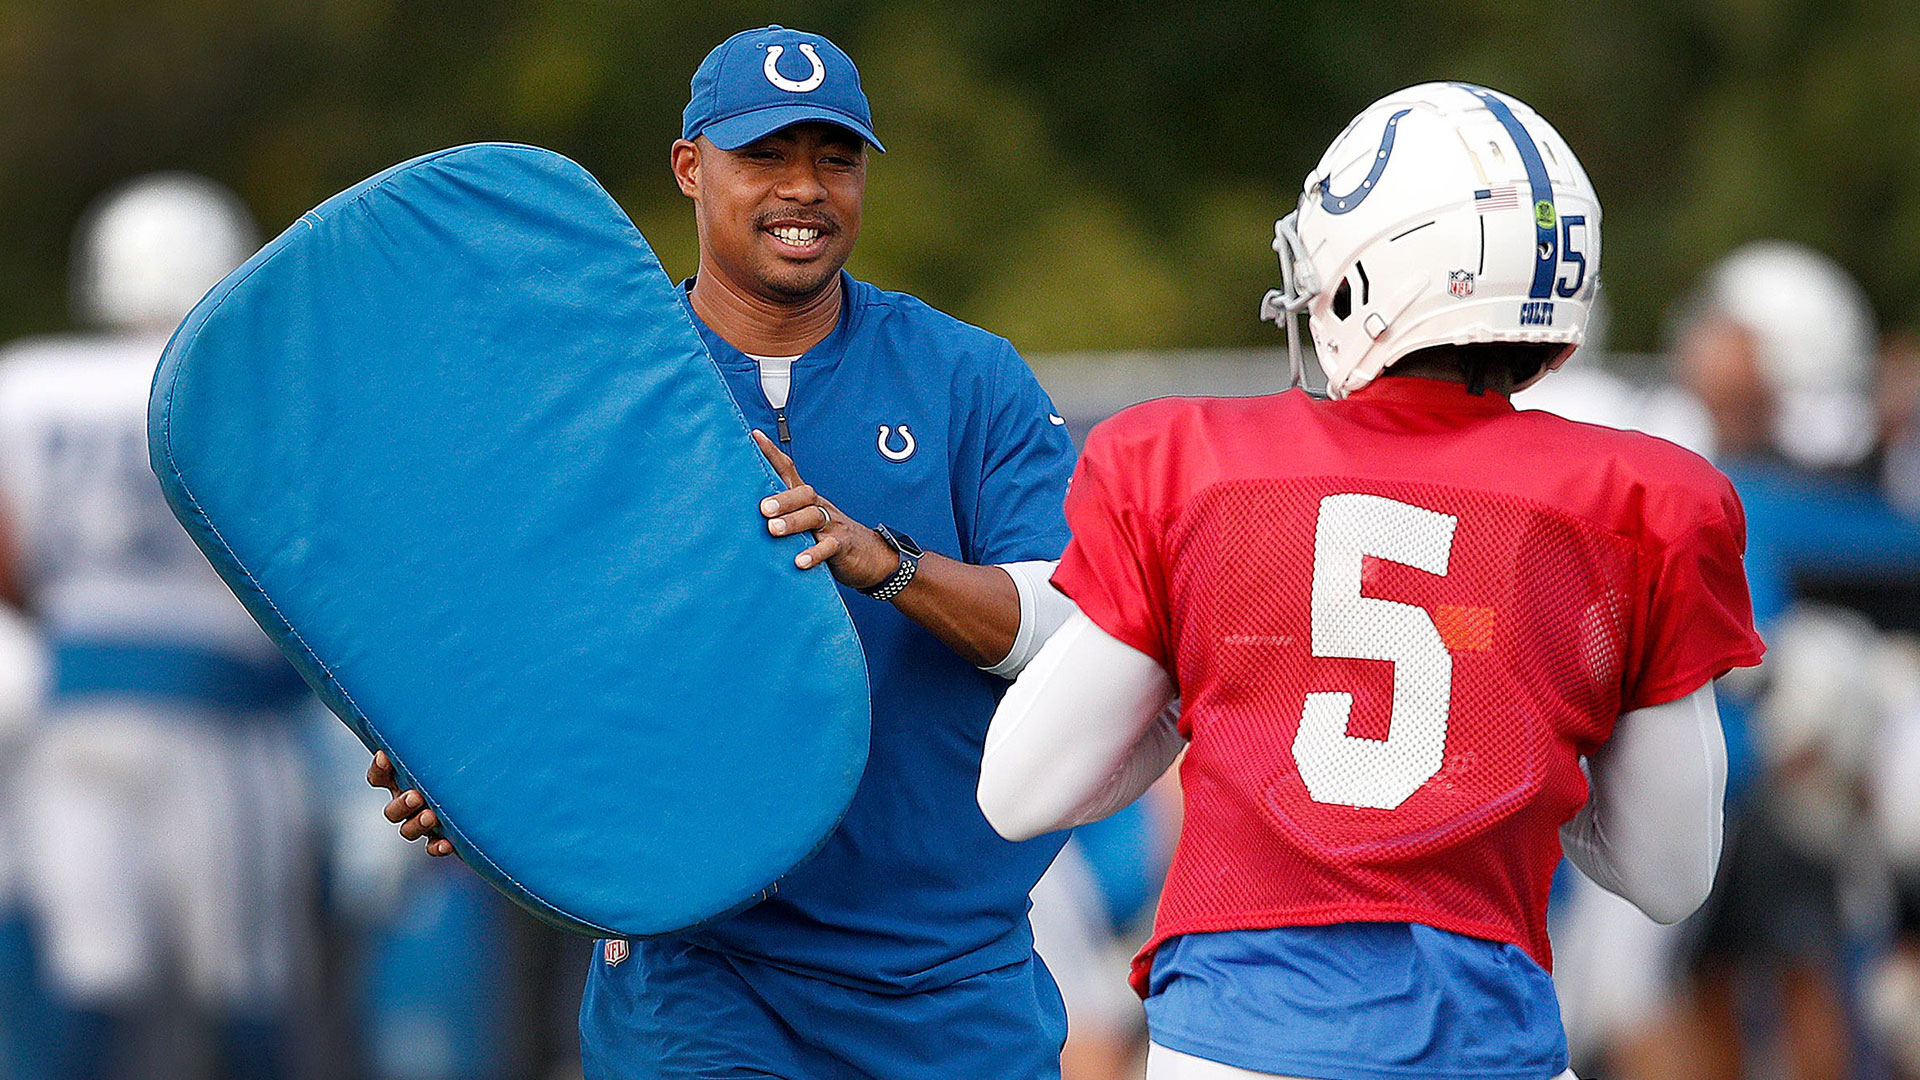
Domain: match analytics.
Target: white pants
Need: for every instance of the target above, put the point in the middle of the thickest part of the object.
(1165, 1064)
(1615, 970)
(1089, 963)
(156, 835)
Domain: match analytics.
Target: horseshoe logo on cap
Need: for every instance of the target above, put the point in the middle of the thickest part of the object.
(811, 82)
(907, 445)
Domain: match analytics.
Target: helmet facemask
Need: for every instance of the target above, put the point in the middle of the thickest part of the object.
(1287, 304)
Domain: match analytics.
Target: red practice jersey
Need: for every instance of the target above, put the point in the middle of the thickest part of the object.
(1397, 622)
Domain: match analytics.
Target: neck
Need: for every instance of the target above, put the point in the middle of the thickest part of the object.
(756, 325)
(1450, 367)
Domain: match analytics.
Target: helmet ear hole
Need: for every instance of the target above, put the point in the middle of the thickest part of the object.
(1343, 300)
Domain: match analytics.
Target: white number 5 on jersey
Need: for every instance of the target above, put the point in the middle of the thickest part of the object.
(1346, 769)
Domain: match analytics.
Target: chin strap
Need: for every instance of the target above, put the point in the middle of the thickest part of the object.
(1288, 303)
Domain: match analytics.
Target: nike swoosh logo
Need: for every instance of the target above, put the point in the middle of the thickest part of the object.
(1056, 420)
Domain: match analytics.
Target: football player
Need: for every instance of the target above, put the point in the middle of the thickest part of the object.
(164, 798)
(1421, 640)
(1780, 346)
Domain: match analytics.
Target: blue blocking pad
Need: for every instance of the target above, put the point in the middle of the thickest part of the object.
(455, 442)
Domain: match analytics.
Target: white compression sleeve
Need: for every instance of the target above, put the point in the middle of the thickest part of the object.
(1083, 731)
(1043, 611)
(1650, 830)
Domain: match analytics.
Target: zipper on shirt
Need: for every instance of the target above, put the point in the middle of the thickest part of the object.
(780, 425)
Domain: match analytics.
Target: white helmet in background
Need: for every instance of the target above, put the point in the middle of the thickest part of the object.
(1816, 345)
(1445, 214)
(147, 251)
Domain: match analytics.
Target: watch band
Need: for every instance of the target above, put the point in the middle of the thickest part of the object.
(902, 576)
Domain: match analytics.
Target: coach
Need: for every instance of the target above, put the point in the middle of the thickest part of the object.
(902, 949)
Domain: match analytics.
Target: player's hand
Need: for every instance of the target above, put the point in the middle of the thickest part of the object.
(854, 553)
(409, 808)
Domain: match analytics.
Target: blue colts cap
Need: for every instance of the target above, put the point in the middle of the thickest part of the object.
(759, 81)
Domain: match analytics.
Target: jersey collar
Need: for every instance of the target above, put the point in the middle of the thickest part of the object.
(823, 355)
(1416, 392)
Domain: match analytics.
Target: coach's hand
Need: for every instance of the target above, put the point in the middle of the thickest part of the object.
(854, 553)
(409, 808)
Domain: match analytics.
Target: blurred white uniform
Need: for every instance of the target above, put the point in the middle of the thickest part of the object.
(23, 677)
(1072, 932)
(163, 800)
(163, 803)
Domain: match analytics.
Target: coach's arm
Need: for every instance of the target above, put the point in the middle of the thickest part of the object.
(973, 610)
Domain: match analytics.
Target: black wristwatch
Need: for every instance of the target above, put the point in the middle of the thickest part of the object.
(902, 576)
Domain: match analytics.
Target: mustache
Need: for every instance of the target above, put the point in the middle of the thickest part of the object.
(825, 222)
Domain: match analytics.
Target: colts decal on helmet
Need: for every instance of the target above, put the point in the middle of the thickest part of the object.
(1340, 204)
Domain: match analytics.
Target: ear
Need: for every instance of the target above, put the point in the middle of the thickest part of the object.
(684, 159)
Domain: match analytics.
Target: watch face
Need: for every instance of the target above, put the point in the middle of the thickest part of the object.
(906, 544)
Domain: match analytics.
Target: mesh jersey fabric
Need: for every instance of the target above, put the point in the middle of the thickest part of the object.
(1397, 622)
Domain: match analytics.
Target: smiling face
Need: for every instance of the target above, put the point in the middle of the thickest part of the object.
(777, 217)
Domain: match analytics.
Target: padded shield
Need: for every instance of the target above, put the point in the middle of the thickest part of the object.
(454, 441)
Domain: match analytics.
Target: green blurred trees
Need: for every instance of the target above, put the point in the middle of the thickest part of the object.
(1073, 177)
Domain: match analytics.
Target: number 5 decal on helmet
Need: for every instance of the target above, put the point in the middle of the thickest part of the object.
(1350, 770)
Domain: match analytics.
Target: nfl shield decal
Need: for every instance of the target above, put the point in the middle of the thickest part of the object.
(616, 951)
(1460, 283)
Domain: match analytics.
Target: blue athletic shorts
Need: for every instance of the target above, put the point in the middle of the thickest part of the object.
(672, 1010)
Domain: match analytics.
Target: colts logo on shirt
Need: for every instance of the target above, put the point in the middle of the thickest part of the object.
(896, 447)
(616, 951)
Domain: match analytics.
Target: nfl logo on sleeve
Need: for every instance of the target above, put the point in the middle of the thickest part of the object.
(616, 951)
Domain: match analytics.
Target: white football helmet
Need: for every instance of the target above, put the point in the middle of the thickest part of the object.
(147, 251)
(1445, 214)
(1814, 337)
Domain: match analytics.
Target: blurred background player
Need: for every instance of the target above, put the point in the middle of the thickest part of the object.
(23, 676)
(1779, 347)
(1091, 910)
(431, 974)
(163, 804)
(1408, 626)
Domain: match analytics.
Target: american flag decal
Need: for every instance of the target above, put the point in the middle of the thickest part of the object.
(1500, 198)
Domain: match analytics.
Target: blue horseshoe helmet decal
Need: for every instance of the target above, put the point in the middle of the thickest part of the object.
(1341, 204)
